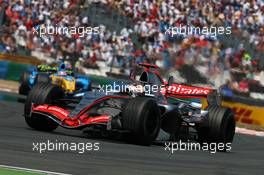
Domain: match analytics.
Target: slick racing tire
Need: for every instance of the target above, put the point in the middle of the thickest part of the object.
(43, 78)
(221, 127)
(89, 87)
(42, 93)
(171, 124)
(142, 118)
(24, 87)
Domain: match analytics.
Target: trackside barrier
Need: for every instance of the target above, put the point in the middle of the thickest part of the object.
(3, 69)
(246, 113)
(15, 70)
(12, 71)
(20, 59)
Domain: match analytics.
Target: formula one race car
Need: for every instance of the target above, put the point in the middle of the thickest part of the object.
(147, 105)
(61, 75)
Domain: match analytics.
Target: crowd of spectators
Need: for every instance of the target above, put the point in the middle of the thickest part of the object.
(23, 17)
(246, 18)
(151, 18)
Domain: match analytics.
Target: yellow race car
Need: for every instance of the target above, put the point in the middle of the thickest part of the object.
(62, 75)
(68, 83)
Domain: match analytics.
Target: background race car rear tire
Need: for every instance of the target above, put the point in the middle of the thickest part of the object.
(42, 93)
(43, 78)
(24, 87)
(221, 127)
(141, 117)
(89, 88)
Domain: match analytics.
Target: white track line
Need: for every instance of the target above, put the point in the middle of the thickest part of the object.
(249, 132)
(8, 90)
(32, 170)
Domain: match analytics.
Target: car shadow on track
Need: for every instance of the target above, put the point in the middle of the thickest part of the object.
(116, 139)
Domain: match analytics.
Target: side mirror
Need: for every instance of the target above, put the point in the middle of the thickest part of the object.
(170, 80)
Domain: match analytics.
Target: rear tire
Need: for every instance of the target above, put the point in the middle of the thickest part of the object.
(171, 124)
(24, 87)
(42, 93)
(141, 117)
(221, 127)
(89, 86)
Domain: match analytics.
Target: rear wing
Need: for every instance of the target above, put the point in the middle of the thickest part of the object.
(208, 96)
(184, 90)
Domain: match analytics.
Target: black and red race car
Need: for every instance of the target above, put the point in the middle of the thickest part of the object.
(139, 112)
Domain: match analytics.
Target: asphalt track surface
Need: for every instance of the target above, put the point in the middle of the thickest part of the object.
(116, 157)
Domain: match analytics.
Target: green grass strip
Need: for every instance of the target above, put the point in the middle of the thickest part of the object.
(7, 171)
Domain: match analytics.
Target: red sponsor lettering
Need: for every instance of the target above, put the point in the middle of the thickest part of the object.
(243, 115)
(180, 89)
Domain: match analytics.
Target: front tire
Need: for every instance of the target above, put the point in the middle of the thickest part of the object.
(220, 128)
(141, 117)
(24, 87)
(43, 78)
(42, 93)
